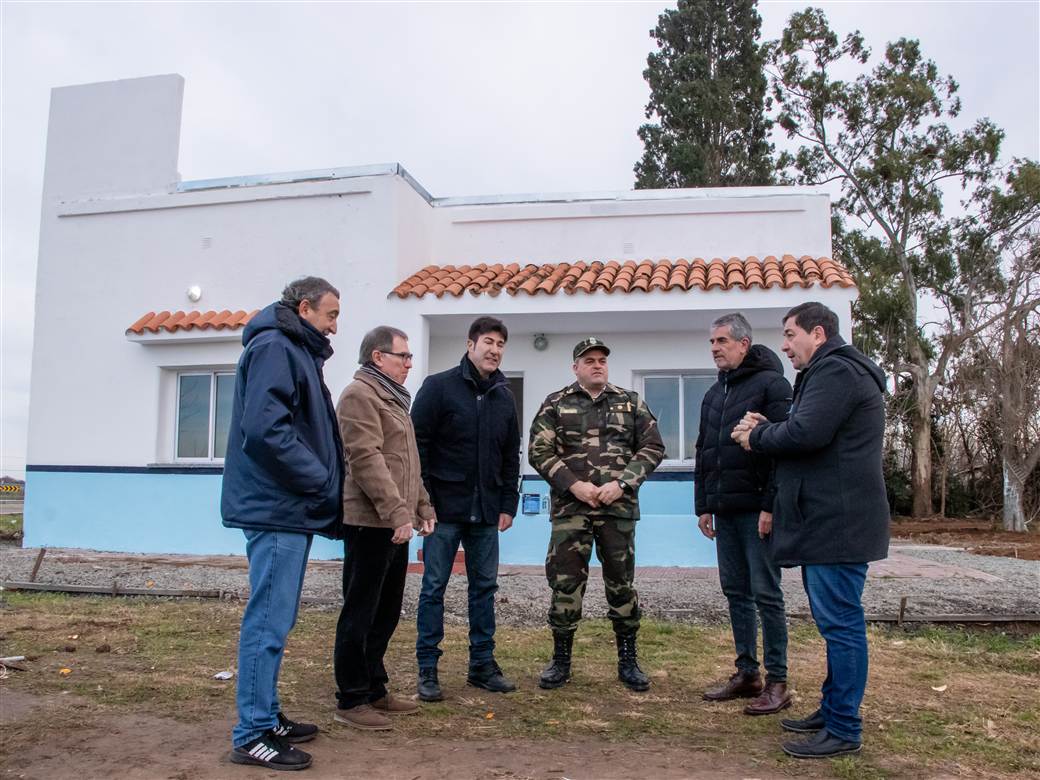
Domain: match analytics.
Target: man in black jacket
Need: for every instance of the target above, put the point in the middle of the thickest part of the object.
(468, 436)
(733, 493)
(831, 514)
(283, 483)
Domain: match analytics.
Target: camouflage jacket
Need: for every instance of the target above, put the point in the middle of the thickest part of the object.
(614, 437)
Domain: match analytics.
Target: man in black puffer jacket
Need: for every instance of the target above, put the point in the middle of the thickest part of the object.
(468, 436)
(733, 493)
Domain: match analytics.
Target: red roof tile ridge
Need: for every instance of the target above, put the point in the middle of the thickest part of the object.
(173, 322)
(588, 276)
(140, 323)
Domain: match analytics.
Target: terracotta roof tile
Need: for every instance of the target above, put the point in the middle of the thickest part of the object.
(171, 322)
(734, 273)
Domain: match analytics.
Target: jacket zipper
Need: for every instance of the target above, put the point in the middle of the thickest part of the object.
(725, 400)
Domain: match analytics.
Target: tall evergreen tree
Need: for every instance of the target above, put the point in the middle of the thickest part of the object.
(707, 93)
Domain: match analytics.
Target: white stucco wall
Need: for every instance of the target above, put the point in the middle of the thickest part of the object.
(733, 222)
(105, 261)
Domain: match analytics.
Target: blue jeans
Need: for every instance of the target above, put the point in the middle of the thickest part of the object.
(480, 542)
(751, 580)
(835, 594)
(277, 562)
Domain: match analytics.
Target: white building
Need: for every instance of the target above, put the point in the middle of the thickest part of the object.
(128, 405)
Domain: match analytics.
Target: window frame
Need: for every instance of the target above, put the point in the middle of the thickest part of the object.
(682, 463)
(211, 433)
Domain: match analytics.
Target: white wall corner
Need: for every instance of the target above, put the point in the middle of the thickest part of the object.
(113, 138)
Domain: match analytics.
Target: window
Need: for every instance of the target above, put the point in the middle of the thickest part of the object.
(203, 414)
(675, 399)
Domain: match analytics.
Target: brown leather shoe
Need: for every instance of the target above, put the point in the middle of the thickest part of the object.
(392, 705)
(363, 717)
(774, 697)
(738, 686)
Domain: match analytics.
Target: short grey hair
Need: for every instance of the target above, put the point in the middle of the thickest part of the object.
(739, 327)
(307, 288)
(380, 338)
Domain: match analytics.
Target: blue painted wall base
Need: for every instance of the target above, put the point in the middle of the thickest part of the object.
(162, 512)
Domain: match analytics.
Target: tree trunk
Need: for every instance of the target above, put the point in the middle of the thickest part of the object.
(1014, 491)
(921, 444)
(945, 466)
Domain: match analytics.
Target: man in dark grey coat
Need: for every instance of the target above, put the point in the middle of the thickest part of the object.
(733, 493)
(831, 515)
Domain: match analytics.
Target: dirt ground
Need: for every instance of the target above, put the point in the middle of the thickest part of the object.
(978, 536)
(147, 747)
(124, 688)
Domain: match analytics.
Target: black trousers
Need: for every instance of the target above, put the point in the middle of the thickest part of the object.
(374, 570)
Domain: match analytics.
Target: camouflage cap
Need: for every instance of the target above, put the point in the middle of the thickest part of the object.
(591, 342)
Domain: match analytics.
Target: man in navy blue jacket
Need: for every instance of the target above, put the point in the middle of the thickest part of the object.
(831, 514)
(283, 482)
(468, 437)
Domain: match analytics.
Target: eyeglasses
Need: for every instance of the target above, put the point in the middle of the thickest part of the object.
(405, 356)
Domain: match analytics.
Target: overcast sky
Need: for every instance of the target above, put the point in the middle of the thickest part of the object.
(476, 98)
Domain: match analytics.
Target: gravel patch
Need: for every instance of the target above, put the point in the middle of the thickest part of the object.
(690, 595)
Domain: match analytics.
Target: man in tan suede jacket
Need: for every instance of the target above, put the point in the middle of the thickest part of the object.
(384, 501)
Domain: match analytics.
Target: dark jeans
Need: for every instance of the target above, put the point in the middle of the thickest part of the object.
(374, 571)
(480, 543)
(835, 594)
(750, 579)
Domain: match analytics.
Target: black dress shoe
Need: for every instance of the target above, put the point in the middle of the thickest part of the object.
(429, 688)
(821, 745)
(804, 725)
(489, 677)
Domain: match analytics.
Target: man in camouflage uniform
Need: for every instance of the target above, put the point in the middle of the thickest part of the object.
(594, 444)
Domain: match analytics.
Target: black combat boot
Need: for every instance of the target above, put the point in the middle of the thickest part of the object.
(559, 669)
(628, 670)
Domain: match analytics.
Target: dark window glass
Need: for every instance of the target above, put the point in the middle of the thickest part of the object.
(662, 396)
(222, 413)
(193, 416)
(694, 388)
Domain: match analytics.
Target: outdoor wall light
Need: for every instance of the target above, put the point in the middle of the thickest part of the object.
(194, 293)
(541, 343)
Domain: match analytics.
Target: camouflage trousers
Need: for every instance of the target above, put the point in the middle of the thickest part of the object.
(567, 569)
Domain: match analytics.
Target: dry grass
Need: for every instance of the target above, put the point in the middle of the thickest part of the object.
(10, 527)
(161, 655)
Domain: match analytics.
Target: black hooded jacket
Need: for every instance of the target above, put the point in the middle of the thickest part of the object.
(830, 503)
(727, 479)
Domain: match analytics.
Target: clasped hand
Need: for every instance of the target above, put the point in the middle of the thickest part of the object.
(742, 431)
(597, 495)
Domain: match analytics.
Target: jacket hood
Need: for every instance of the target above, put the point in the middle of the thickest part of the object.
(836, 346)
(279, 316)
(758, 358)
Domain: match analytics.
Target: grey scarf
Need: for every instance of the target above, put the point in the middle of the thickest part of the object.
(400, 394)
